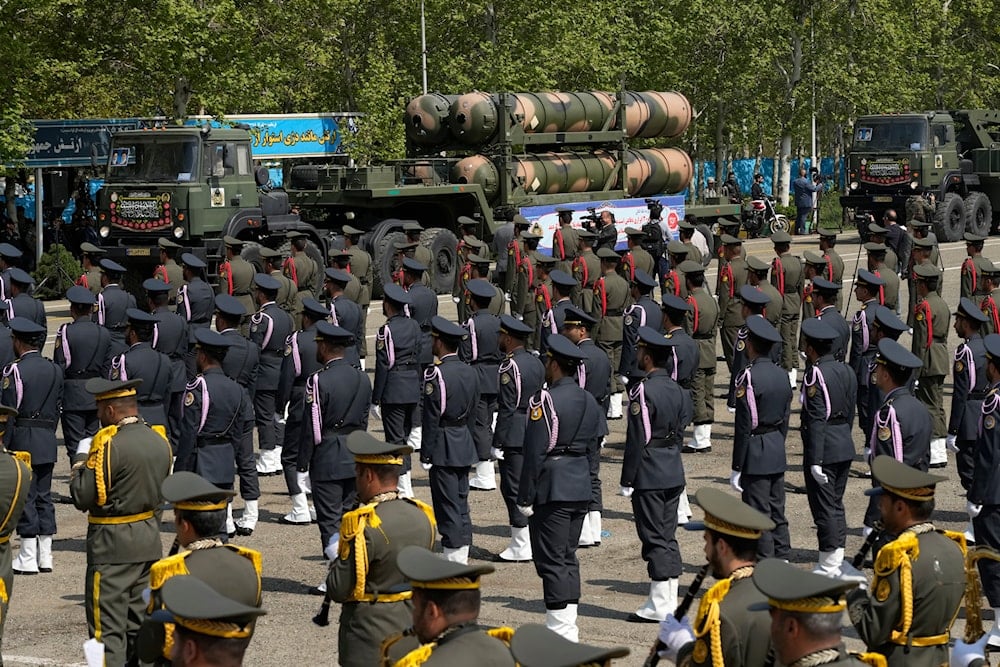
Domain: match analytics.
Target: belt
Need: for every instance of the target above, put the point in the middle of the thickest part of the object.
(768, 428)
(455, 422)
(36, 423)
(81, 375)
(615, 312)
(565, 451)
(836, 420)
(118, 520)
(210, 440)
(708, 336)
(241, 293)
(793, 290)
(385, 597)
(976, 396)
(932, 640)
(5, 539)
(660, 443)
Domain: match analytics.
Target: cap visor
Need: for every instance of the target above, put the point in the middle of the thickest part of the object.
(874, 491)
(694, 525)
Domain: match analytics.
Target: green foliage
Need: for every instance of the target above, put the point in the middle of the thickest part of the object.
(57, 271)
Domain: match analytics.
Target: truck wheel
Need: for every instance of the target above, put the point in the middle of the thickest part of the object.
(315, 255)
(384, 259)
(949, 218)
(251, 253)
(978, 214)
(442, 244)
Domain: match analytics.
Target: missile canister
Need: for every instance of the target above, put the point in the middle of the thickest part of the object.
(427, 118)
(478, 169)
(653, 171)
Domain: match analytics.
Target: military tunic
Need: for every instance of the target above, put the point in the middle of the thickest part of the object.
(196, 303)
(288, 293)
(972, 285)
(862, 354)
(552, 323)
(236, 279)
(643, 313)
(586, 269)
(458, 644)
(141, 361)
(110, 313)
(701, 323)
(270, 327)
(611, 297)
(732, 277)
(241, 365)
(398, 378)
(27, 306)
(969, 390)
(423, 308)
(348, 315)
(481, 351)
(299, 364)
(303, 272)
(984, 489)
(15, 480)
(911, 311)
(170, 273)
(565, 242)
(83, 351)
(786, 276)
(831, 316)
(91, 279)
(684, 361)
(118, 484)
(930, 343)
(835, 264)
(739, 360)
(889, 293)
(523, 296)
(170, 336)
(594, 375)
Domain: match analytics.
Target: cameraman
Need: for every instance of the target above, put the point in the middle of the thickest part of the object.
(804, 189)
(607, 234)
(653, 242)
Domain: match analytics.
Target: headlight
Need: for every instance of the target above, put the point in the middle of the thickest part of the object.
(105, 232)
(854, 185)
(178, 232)
(913, 185)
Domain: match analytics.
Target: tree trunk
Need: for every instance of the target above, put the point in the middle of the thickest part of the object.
(720, 149)
(786, 136)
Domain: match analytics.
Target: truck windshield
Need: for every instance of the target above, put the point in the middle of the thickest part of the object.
(890, 134)
(154, 159)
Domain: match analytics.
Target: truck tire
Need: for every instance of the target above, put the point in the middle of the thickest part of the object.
(384, 259)
(251, 253)
(315, 255)
(978, 214)
(949, 218)
(442, 244)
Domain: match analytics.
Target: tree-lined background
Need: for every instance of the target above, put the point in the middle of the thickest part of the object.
(754, 70)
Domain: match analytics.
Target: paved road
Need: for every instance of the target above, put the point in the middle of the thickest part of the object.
(46, 624)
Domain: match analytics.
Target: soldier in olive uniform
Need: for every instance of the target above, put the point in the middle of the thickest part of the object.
(341, 260)
(644, 312)
(112, 303)
(117, 482)
(652, 472)
(931, 321)
(90, 256)
(15, 480)
(920, 256)
(141, 361)
(446, 604)
(813, 266)
(535, 645)
(732, 276)
(724, 619)
(969, 374)
(786, 276)
(169, 271)
(523, 295)
(611, 298)
(343, 312)
(910, 627)
(972, 284)
(762, 410)
(757, 272)
(363, 268)
(673, 279)
(170, 336)
(991, 301)
(543, 292)
(702, 319)
(288, 293)
(234, 571)
(83, 351)
(236, 274)
(33, 386)
(561, 448)
(828, 398)
(302, 271)
(685, 232)
(565, 242)
(636, 257)
(515, 249)
(521, 376)
(877, 234)
(375, 533)
(586, 269)
(196, 302)
(889, 291)
(481, 271)
(448, 445)
(481, 350)
(20, 303)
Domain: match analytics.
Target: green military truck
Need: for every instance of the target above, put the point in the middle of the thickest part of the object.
(946, 163)
(481, 156)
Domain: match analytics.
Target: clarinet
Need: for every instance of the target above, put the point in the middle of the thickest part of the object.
(653, 658)
(859, 558)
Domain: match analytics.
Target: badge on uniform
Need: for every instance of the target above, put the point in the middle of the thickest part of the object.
(812, 391)
(6, 382)
(114, 373)
(254, 328)
(428, 388)
(536, 413)
(288, 350)
(189, 398)
(725, 279)
(380, 344)
(700, 652)
(884, 433)
(741, 391)
(505, 378)
(882, 590)
(309, 397)
(920, 317)
(740, 345)
(635, 407)
(959, 367)
(989, 422)
(628, 320)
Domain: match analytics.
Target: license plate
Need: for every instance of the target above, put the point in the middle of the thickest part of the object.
(137, 252)
(882, 199)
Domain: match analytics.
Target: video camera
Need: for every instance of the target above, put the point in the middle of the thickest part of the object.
(655, 208)
(592, 220)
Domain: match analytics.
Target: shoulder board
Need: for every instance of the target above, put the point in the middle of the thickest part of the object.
(425, 508)
(891, 556)
(250, 554)
(23, 457)
(957, 538)
(502, 633)
(163, 569)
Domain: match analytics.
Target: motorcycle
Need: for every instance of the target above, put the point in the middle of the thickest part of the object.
(760, 215)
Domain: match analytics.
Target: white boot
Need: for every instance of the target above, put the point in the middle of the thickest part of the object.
(269, 461)
(594, 518)
(830, 562)
(415, 436)
(993, 638)
(457, 555)
(246, 523)
(662, 601)
(563, 622)
(683, 508)
(230, 524)
(363, 364)
(299, 515)
(970, 536)
(44, 553)
(793, 376)
(312, 514)
(405, 486)
(939, 453)
(519, 549)
(586, 533)
(615, 406)
(27, 557)
(701, 438)
(485, 477)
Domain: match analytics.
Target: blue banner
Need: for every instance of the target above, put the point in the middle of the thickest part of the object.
(293, 135)
(62, 143)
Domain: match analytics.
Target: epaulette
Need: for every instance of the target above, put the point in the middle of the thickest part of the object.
(873, 659)
(163, 569)
(892, 555)
(353, 523)
(425, 508)
(95, 459)
(23, 457)
(502, 633)
(957, 538)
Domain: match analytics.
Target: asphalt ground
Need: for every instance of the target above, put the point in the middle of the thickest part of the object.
(46, 622)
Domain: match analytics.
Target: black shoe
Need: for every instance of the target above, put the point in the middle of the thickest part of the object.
(635, 618)
(942, 464)
(23, 572)
(316, 591)
(688, 449)
(293, 523)
(244, 532)
(497, 559)
(45, 570)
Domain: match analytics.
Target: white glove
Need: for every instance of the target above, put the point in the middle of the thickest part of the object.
(623, 379)
(973, 509)
(83, 447)
(731, 409)
(819, 475)
(332, 549)
(455, 299)
(963, 654)
(496, 453)
(951, 442)
(279, 417)
(867, 453)
(526, 510)
(305, 484)
(626, 491)
(734, 481)
(377, 412)
(519, 317)
(506, 297)
(426, 466)
(675, 635)
(850, 573)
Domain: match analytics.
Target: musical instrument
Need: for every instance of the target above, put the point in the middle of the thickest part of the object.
(859, 558)
(973, 593)
(653, 658)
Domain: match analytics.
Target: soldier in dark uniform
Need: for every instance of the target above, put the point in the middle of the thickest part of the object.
(644, 312)
(343, 312)
(732, 276)
(297, 367)
(786, 276)
(397, 387)
(969, 374)
(910, 627)
(448, 447)
(20, 303)
(685, 353)
(702, 319)
(521, 376)
(234, 571)
(757, 272)
(422, 307)
(288, 293)
(112, 303)
(141, 361)
(825, 298)
(565, 242)
(363, 572)
(885, 325)
(889, 291)
(9, 258)
(270, 327)
(481, 350)
(561, 445)
(726, 631)
(15, 480)
(336, 405)
(586, 269)
(563, 286)
(240, 365)
(755, 303)
(361, 266)
(33, 386)
(867, 287)
(170, 336)
(169, 271)
(90, 256)
(83, 351)
(196, 303)
(446, 603)
(535, 645)
(481, 271)
(829, 399)
(931, 320)
(806, 611)
(972, 285)
(117, 482)
(236, 274)
(611, 298)
(652, 472)
(762, 410)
